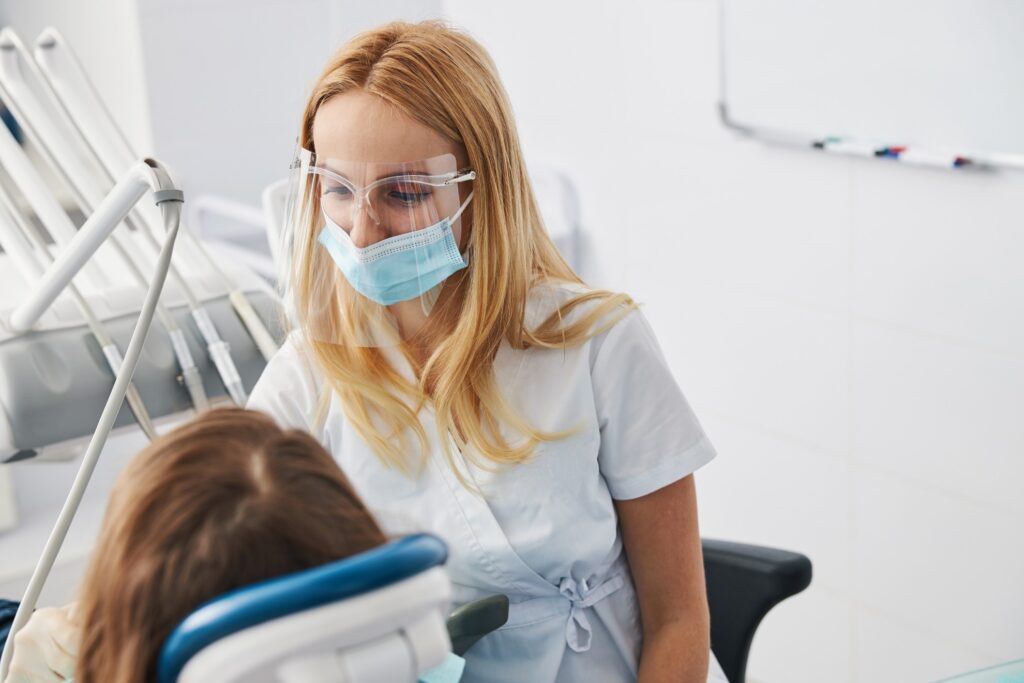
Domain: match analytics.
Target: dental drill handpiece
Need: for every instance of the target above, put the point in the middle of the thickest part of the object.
(189, 372)
(218, 349)
(250, 318)
(88, 197)
(24, 256)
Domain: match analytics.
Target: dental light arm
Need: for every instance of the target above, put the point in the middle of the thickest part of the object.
(143, 176)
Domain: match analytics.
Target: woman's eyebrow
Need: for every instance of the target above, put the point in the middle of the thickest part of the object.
(328, 167)
(402, 173)
(397, 174)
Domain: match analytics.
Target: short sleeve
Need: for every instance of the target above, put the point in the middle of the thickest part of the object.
(287, 390)
(650, 437)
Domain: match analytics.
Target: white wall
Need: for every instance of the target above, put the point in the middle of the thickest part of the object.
(228, 80)
(105, 36)
(850, 332)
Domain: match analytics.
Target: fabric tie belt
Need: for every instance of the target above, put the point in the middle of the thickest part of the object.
(581, 595)
(569, 593)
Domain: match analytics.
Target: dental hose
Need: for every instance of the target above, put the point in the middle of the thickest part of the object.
(170, 203)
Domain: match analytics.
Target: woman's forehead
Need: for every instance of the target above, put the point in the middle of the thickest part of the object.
(364, 172)
(359, 127)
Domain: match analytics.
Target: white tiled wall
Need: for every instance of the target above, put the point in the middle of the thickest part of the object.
(943, 565)
(850, 332)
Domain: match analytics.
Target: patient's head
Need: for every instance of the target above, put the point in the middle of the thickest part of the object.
(223, 501)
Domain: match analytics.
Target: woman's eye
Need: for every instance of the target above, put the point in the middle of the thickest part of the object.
(337, 191)
(408, 196)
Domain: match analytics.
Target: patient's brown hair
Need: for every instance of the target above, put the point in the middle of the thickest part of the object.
(223, 501)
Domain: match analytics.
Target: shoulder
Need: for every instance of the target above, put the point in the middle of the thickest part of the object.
(607, 315)
(623, 330)
(294, 356)
(573, 302)
(289, 389)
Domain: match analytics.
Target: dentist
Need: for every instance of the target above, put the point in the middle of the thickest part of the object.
(471, 385)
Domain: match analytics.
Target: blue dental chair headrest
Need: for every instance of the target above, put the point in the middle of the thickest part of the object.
(279, 597)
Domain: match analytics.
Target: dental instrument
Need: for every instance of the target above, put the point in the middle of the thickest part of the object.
(142, 177)
(57, 145)
(27, 249)
(33, 188)
(70, 86)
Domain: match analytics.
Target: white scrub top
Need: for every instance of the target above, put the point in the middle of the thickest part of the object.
(545, 532)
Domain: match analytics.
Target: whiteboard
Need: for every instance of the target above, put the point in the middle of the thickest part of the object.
(944, 75)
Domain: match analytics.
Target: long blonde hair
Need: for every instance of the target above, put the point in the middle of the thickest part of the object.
(445, 79)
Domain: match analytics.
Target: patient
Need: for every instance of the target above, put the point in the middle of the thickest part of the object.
(226, 500)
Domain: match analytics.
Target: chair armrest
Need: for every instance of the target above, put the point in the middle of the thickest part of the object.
(475, 620)
(744, 582)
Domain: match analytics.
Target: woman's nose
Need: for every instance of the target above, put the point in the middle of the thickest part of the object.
(365, 230)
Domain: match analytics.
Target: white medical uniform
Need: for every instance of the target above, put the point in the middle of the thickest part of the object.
(545, 532)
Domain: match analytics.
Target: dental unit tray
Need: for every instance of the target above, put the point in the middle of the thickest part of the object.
(54, 379)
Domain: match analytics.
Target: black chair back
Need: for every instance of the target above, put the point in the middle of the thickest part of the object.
(744, 582)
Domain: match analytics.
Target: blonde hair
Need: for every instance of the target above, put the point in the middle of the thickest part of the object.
(444, 79)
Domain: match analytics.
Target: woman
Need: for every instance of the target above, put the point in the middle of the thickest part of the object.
(227, 500)
(471, 385)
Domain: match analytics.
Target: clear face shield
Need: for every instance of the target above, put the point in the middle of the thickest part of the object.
(372, 245)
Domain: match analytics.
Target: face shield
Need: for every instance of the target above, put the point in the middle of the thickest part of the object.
(372, 244)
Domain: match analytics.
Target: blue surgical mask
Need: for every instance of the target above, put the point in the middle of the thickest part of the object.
(398, 268)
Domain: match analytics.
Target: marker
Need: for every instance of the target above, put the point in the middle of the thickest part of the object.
(891, 152)
(920, 157)
(908, 155)
(849, 147)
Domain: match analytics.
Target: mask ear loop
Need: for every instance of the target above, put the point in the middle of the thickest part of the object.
(463, 206)
(464, 254)
(426, 306)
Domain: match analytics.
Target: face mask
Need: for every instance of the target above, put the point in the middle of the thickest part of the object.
(398, 268)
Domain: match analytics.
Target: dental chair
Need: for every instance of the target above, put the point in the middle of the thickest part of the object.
(378, 616)
(744, 582)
